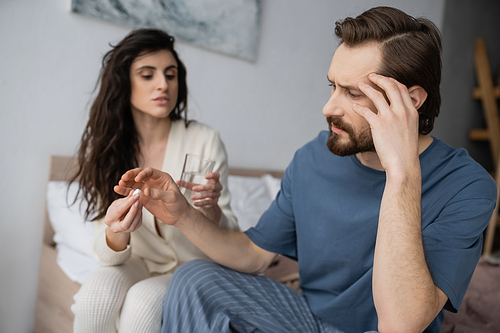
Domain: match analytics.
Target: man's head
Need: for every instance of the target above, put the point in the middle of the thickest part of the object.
(396, 45)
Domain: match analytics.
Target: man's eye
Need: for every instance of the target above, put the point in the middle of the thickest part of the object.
(353, 95)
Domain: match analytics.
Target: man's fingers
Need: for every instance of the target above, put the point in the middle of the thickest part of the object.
(130, 175)
(129, 179)
(122, 190)
(393, 89)
(144, 174)
(406, 96)
(151, 173)
(365, 112)
(377, 97)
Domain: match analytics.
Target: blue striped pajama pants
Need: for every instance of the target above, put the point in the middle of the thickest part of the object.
(206, 297)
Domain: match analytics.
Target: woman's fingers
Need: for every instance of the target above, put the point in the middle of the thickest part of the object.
(207, 194)
(205, 199)
(119, 208)
(205, 202)
(212, 185)
(213, 175)
(131, 215)
(137, 221)
(122, 212)
(207, 187)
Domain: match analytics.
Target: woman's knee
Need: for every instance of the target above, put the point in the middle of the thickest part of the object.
(147, 293)
(97, 290)
(108, 285)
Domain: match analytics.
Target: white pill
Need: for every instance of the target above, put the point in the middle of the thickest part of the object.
(137, 191)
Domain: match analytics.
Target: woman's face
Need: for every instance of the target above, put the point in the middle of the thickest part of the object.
(154, 84)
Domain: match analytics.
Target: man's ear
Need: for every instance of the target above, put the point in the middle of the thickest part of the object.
(418, 96)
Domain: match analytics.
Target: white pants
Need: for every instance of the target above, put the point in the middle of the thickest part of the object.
(120, 299)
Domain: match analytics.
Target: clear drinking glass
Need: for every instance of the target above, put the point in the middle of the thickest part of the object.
(193, 173)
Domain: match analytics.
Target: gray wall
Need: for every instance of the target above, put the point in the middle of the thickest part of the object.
(464, 20)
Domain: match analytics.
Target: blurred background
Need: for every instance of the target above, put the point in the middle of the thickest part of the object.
(264, 109)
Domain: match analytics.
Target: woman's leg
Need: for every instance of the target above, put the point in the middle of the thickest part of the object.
(99, 301)
(143, 306)
(206, 297)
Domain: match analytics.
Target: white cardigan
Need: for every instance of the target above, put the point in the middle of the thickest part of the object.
(164, 254)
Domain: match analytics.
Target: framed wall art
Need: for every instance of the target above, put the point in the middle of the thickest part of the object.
(226, 26)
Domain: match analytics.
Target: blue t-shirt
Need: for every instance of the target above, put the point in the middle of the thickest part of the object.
(326, 216)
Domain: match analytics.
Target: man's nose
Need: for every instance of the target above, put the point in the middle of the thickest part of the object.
(333, 106)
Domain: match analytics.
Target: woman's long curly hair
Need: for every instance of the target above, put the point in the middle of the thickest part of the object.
(109, 145)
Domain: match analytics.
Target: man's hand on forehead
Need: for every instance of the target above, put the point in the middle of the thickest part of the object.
(377, 87)
(395, 126)
(389, 91)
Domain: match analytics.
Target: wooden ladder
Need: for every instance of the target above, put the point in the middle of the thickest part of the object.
(488, 94)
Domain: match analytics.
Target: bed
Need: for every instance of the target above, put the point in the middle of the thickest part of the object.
(56, 286)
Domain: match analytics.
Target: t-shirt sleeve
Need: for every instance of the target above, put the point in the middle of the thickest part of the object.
(275, 230)
(453, 242)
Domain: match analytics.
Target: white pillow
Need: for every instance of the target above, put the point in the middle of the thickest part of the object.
(273, 185)
(72, 234)
(78, 266)
(251, 197)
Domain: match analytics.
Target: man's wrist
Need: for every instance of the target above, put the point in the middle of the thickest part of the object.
(405, 174)
(213, 213)
(192, 219)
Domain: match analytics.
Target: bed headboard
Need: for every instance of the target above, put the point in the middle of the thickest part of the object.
(255, 172)
(63, 167)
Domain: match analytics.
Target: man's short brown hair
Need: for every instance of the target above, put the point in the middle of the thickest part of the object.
(411, 52)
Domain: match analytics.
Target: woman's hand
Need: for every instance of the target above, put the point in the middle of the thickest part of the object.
(123, 217)
(207, 197)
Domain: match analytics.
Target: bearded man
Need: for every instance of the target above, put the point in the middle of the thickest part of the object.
(385, 220)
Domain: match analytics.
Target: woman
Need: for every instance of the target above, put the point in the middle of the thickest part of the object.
(138, 119)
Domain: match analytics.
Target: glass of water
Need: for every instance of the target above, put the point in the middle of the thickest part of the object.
(193, 173)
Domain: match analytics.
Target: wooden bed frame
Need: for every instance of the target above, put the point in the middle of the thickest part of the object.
(56, 290)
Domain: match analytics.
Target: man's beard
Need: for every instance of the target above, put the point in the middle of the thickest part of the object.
(362, 142)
